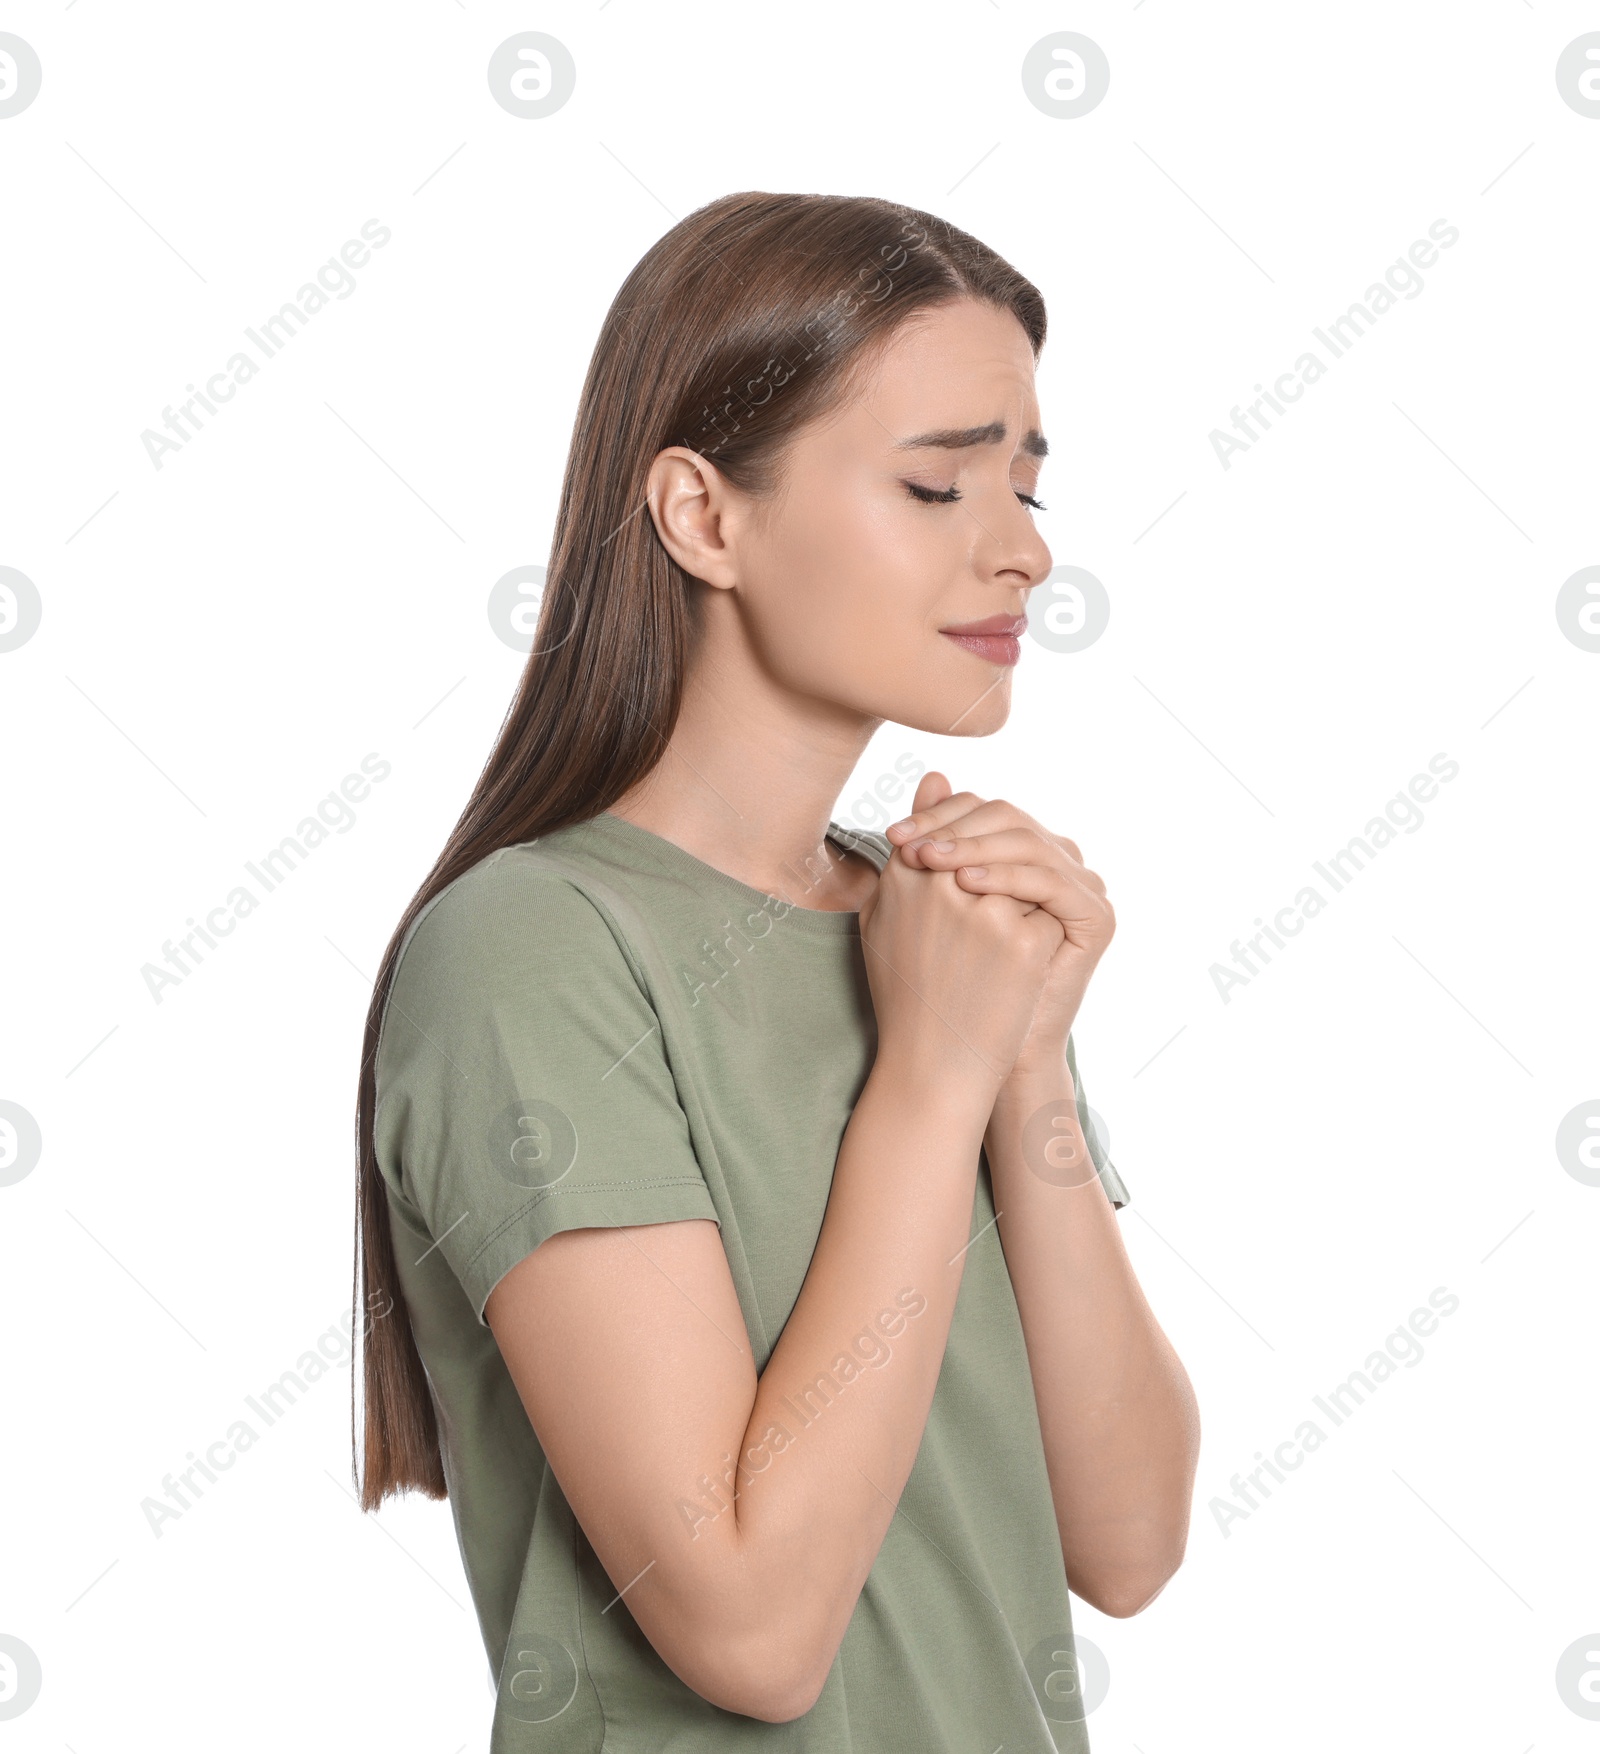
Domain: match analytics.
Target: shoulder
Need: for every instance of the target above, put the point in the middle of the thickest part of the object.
(514, 885)
(516, 914)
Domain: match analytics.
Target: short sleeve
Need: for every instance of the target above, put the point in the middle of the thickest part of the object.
(523, 1087)
(1110, 1179)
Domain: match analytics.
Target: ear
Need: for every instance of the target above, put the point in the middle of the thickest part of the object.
(689, 504)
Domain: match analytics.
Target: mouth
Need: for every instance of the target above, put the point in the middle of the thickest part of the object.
(996, 639)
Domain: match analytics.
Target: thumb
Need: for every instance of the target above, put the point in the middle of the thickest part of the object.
(933, 788)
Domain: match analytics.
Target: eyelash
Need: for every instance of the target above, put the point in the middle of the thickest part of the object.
(949, 495)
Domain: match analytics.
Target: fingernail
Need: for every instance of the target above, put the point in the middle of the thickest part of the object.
(941, 846)
(975, 870)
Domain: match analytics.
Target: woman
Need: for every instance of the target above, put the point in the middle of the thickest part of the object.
(733, 1250)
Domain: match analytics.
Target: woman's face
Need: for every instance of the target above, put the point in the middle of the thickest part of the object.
(899, 516)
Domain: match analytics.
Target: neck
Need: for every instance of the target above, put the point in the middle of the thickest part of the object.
(749, 780)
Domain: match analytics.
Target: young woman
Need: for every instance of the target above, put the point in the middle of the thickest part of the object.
(732, 1246)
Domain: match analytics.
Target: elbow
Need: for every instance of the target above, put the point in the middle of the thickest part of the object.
(766, 1695)
(754, 1672)
(743, 1645)
(1124, 1605)
(784, 1704)
(1127, 1594)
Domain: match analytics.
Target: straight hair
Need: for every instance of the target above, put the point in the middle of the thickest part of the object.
(748, 319)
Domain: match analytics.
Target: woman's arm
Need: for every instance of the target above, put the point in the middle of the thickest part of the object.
(1119, 1419)
(1118, 1415)
(740, 1518)
(629, 1350)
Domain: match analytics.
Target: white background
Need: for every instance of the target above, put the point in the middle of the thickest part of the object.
(1291, 639)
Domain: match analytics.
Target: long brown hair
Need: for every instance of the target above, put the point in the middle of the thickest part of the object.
(743, 322)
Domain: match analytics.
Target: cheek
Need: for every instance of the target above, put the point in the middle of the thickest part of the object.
(850, 588)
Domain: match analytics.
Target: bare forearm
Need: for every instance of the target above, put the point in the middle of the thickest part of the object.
(841, 1406)
(1116, 1409)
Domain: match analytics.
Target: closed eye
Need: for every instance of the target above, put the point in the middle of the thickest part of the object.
(949, 495)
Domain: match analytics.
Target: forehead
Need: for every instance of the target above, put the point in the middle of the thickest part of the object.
(963, 335)
(954, 376)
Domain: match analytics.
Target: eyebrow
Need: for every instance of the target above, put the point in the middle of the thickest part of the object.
(957, 438)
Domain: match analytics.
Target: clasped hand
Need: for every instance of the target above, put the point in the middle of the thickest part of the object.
(992, 847)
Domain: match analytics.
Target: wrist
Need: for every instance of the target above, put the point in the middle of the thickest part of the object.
(1040, 1067)
(965, 1089)
(1035, 1122)
(1045, 1045)
(1030, 1088)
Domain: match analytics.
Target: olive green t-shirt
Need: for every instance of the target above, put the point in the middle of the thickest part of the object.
(598, 1028)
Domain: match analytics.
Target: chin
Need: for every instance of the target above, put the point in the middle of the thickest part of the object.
(951, 712)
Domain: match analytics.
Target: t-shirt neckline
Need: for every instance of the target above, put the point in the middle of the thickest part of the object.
(669, 854)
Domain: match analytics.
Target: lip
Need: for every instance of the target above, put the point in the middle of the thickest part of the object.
(996, 639)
